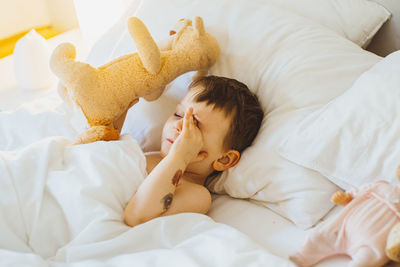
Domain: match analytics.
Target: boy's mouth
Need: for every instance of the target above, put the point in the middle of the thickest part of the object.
(170, 140)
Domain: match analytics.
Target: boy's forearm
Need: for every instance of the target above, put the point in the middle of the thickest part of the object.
(155, 195)
(119, 122)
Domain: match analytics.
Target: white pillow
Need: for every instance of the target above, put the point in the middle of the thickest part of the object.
(354, 139)
(356, 20)
(292, 64)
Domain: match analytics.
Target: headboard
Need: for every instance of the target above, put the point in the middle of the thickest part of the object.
(387, 38)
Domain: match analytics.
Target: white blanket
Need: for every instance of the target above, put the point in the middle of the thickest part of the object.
(64, 204)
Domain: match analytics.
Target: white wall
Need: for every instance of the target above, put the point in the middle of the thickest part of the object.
(20, 15)
(97, 16)
(17, 16)
(62, 14)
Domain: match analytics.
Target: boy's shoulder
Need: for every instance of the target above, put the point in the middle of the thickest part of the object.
(190, 197)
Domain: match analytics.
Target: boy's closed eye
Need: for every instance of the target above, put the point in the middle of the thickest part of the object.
(177, 115)
(196, 121)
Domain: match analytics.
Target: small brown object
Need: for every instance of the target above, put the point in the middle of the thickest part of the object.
(177, 177)
(172, 32)
(341, 198)
(167, 201)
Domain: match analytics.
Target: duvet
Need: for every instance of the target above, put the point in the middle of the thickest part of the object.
(62, 205)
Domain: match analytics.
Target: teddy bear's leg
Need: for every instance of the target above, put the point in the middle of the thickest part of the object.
(148, 50)
(199, 26)
(97, 133)
(72, 74)
(317, 247)
(367, 257)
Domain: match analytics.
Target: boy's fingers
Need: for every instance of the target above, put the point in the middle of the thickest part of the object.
(191, 120)
(188, 119)
(186, 122)
(189, 112)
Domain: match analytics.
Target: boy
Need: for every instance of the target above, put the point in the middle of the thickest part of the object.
(217, 119)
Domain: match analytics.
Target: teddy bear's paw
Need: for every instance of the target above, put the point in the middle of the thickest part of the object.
(97, 133)
(393, 243)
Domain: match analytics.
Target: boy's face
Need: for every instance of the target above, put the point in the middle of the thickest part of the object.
(213, 125)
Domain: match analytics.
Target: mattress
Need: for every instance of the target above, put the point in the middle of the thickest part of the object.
(272, 231)
(63, 204)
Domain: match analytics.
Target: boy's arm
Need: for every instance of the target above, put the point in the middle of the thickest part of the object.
(158, 195)
(190, 198)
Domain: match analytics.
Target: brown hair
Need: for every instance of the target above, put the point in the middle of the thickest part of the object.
(237, 101)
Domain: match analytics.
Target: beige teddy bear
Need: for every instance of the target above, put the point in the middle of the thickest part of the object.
(104, 93)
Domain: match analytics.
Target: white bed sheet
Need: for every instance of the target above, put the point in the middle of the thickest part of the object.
(180, 240)
(272, 231)
(37, 229)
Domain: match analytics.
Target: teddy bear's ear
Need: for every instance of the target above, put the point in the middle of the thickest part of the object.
(199, 26)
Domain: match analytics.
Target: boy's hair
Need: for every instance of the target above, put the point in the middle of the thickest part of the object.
(237, 101)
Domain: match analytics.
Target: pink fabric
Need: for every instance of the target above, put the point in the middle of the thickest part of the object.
(360, 230)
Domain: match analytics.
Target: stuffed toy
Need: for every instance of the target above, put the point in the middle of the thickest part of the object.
(360, 230)
(106, 92)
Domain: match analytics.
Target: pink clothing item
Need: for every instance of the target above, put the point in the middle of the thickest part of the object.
(359, 231)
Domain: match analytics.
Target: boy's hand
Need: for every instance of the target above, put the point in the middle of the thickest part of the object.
(119, 122)
(190, 141)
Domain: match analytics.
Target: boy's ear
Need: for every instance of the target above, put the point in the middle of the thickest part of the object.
(229, 159)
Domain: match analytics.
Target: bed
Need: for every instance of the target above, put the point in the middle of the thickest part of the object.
(304, 62)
